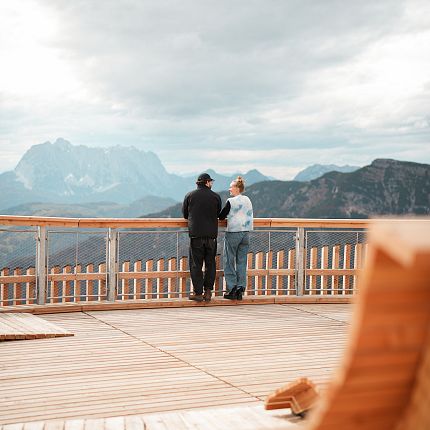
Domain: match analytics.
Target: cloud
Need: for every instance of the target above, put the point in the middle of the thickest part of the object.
(185, 78)
(180, 59)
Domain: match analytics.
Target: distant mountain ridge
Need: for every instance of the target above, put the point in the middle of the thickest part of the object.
(385, 187)
(223, 182)
(317, 170)
(135, 209)
(61, 173)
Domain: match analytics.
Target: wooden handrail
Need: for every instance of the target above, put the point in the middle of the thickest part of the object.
(182, 223)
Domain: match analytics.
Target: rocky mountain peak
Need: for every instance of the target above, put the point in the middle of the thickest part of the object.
(63, 173)
(67, 170)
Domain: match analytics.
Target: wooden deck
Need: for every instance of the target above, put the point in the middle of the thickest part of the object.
(24, 326)
(243, 417)
(134, 362)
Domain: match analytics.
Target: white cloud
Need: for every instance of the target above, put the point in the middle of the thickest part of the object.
(190, 80)
(31, 69)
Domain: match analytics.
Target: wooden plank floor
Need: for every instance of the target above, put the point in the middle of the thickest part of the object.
(14, 326)
(248, 417)
(137, 362)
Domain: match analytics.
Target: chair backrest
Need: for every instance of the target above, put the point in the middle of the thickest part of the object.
(384, 379)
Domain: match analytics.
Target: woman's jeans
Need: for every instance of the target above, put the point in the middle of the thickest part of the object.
(236, 245)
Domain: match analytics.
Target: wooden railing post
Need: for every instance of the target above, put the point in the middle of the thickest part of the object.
(300, 260)
(41, 265)
(112, 264)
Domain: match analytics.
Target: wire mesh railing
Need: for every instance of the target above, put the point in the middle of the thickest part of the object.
(17, 263)
(76, 266)
(52, 265)
(333, 260)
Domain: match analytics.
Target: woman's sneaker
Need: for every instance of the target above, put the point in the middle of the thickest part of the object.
(231, 295)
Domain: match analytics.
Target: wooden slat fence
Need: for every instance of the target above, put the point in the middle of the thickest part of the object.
(164, 278)
(17, 286)
(333, 265)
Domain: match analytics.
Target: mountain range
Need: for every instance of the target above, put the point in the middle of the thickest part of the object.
(114, 181)
(93, 210)
(61, 179)
(385, 187)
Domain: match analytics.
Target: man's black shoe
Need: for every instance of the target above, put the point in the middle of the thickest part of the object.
(207, 296)
(231, 295)
(239, 294)
(196, 297)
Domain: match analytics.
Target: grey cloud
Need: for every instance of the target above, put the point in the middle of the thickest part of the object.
(191, 58)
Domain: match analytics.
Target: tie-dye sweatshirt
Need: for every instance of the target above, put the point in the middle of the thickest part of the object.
(240, 216)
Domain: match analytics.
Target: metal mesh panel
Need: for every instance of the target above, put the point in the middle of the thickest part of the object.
(61, 249)
(333, 258)
(148, 251)
(76, 252)
(18, 258)
(259, 246)
(283, 256)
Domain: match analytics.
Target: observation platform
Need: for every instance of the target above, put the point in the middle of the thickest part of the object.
(136, 362)
(144, 357)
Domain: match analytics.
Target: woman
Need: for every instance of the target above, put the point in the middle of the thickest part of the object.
(238, 211)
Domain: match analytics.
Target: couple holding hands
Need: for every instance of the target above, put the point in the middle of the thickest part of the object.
(202, 209)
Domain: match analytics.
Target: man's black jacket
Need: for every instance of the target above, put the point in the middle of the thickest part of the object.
(201, 208)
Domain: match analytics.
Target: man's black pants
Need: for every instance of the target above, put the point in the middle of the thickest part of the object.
(202, 249)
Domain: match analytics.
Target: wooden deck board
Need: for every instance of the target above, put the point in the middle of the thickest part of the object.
(16, 326)
(134, 362)
(88, 306)
(248, 417)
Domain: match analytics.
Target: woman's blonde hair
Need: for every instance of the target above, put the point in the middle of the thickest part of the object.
(240, 183)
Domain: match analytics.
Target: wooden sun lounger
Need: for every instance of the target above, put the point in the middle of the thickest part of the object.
(384, 380)
(299, 396)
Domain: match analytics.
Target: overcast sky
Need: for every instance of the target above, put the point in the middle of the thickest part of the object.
(233, 85)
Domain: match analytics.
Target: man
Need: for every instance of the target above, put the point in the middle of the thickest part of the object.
(201, 208)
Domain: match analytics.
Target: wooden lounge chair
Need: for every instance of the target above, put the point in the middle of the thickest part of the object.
(299, 396)
(384, 380)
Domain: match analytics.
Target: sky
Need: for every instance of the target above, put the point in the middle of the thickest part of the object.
(275, 85)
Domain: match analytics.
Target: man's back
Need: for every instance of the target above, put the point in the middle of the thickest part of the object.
(201, 207)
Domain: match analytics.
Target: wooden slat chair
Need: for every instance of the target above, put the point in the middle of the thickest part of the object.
(384, 380)
(299, 396)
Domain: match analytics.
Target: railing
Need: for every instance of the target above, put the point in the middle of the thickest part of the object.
(58, 260)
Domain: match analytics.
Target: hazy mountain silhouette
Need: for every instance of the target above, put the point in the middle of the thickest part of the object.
(317, 170)
(144, 205)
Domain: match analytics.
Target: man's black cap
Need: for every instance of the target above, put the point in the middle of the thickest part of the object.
(204, 177)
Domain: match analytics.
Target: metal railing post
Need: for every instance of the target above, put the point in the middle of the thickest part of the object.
(300, 260)
(111, 264)
(41, 265)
